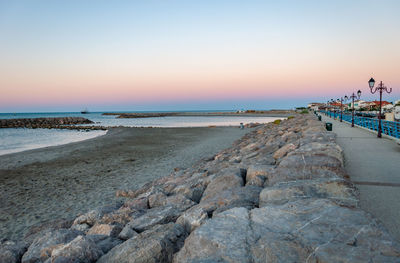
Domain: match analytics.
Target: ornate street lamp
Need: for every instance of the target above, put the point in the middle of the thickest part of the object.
(381, 88)
(341, 106)
(354, 96)
(328, 108)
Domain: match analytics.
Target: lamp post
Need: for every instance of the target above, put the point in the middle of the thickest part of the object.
(354, 96)
(341, 106)
(328, 108)
(381, 88)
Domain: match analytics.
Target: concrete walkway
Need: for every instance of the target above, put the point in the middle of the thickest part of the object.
(374, 167)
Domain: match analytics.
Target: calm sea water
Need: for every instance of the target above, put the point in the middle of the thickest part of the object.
(16, 140)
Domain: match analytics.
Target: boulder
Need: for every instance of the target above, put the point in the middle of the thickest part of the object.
(127, 232)
(157, 199)
(175, 200)
(256, 181)
(308, 230)
(286, 174)
(338, 190)
(284, 150)
(154, 216)
(121, 216)
(11, 252)
(224, 238)
(318, 230)
(94, 216)
(42, 247)
(105, 243)
(137, 204)
(290, 136)
(155, 245)
(104, 229)
(81, 249)
(228, 180)
(258, 171)
(80, 227)
(247, 196)
(192, 218)
(193, 194)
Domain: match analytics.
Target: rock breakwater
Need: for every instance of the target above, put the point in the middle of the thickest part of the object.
(60, 123)
(280, 194)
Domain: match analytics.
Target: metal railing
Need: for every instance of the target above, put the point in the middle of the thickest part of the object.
(391, 128)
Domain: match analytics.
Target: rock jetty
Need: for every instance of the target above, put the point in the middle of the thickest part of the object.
(280, 194)
(140, 115)
(248, 113)
(48, 123)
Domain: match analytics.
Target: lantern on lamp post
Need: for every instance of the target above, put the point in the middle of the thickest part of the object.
(354, 96)
(379, 88)
(341, 106)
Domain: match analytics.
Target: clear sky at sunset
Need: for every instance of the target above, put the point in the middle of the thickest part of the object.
(190, 55)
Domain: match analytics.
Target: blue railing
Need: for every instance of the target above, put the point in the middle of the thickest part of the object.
(391, 128)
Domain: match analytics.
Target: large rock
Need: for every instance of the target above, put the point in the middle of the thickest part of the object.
(155, 245)
(225, 238)
(11, 252)
(247, 196)
(42, 247)
(318, 230)
(179, 200)
(308, 230)
(104, 229)
(158, 215)
(105, 243)
(290, 136)
(193, 218)
(337, 190)
(94, 216)
(228, 180)
(258, 170)
(121, 216)
(81, 249)
(284, 150)
(288, 174)
(310, 159)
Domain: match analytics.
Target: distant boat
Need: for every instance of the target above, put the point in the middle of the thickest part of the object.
(85, 111)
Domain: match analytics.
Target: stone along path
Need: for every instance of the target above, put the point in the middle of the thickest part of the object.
(374, 167)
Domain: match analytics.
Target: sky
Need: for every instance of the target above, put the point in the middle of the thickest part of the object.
(193, 55)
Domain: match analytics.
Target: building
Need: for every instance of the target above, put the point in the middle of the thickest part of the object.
(316, 106)
(357, 104)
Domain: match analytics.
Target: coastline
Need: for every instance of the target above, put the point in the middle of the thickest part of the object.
(55, 182)
(279, 193)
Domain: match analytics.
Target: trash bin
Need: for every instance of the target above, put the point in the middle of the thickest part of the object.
(319, 117)
(328, 126)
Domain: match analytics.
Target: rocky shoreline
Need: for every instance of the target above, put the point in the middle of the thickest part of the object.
(49, 123)
(279, 194)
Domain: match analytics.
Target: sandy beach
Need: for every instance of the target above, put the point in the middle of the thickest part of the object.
(57, 182)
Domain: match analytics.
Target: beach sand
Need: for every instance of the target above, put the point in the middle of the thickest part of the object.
(51, 183)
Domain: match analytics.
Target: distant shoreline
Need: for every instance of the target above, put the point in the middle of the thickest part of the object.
(249, 113)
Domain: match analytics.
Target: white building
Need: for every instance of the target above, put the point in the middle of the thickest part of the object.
(357, 104)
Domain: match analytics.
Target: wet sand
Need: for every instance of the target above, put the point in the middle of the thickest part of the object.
(57, 182)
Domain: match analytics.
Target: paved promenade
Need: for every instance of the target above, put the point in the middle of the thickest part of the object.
(374, 167)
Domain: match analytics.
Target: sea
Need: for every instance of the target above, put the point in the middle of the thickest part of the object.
(20, 139)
